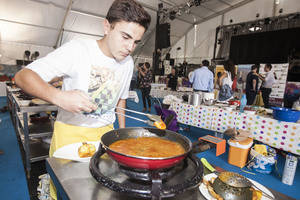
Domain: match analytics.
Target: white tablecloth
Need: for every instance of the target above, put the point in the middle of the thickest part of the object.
(278, 134)
(158, 93)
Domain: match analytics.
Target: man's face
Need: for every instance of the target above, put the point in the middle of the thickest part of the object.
(122, 38)
(173, 71)
(266, 69)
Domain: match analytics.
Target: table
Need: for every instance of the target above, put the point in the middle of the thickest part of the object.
(159, 93)
(278, 134)
(74, 181)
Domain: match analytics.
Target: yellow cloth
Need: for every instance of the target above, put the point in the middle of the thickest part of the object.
(261, 149)
(258, 100)
(65, 134)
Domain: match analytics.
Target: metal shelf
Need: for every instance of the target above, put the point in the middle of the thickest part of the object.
(31, 134)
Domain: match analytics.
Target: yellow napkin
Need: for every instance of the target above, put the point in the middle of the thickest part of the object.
(261, 149)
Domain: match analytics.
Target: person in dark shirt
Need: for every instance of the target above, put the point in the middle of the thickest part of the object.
(172, 80)
(145, 76)
(252, 85)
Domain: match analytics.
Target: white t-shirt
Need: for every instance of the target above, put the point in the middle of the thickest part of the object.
(84, 67)
(227, 79)
(269, 80)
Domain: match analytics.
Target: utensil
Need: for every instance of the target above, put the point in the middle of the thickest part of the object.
(138, 162)
(154, 120)
(205, 192)
(233, 185)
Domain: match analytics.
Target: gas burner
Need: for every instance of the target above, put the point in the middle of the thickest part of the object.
(153, 184)
(146, 175)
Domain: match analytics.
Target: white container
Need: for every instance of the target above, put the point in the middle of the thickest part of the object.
(289, 169)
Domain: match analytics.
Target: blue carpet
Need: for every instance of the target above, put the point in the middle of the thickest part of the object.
(270, 180)
(13, 185)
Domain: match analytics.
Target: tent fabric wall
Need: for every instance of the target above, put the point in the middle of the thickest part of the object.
(37, 23)
(241, 14)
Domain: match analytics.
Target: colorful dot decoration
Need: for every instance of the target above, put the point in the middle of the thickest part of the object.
(269, 131)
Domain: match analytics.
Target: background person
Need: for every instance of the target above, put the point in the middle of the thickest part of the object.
(251, 85)
(145, 76)
(267, 84)
(225, 81)
(96, 77)
(172, 79)
(202, 78)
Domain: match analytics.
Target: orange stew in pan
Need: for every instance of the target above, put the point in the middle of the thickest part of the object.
(148, 147)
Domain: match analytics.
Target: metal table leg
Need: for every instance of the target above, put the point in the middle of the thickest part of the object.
(27, 144)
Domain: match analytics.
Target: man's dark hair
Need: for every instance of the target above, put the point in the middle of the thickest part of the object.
(147, 65)
(205, 63)
(268, 65)
(254, 67)
(129, 11)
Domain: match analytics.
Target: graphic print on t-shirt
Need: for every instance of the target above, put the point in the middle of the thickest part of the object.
(104, 88)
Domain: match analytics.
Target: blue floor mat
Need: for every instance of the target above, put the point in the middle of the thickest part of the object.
(13, 184)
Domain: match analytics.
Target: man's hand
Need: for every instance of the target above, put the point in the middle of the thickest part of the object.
(74, 101)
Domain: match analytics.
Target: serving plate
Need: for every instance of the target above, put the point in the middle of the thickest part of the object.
(70, 152)
(204, 191)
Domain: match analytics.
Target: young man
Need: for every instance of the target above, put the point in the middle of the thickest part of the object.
(251, 85)
(96, 77)
(267, 84)
(202, 78)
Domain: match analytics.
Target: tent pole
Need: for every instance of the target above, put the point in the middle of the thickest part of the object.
(63, 23)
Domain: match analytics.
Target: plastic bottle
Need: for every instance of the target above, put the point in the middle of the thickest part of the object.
(243, 103)
(289, 169)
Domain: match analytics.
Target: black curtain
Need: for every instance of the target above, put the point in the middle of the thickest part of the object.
(264, 47)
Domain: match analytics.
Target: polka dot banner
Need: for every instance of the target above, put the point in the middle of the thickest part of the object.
(280, 135)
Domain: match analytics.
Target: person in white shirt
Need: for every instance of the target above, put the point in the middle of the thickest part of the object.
(268, 81)
(96, 77)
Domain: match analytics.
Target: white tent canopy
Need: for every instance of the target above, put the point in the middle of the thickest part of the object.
(42, 25)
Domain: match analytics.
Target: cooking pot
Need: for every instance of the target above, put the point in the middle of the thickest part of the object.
(144, 162)
(232, 186)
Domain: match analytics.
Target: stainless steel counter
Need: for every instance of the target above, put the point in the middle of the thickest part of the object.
(74, 181)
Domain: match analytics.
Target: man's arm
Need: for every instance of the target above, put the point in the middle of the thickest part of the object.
(73, 101)
(211, 83)
(260, 76)
(121, 118)
(192, 78)
(254, 84)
